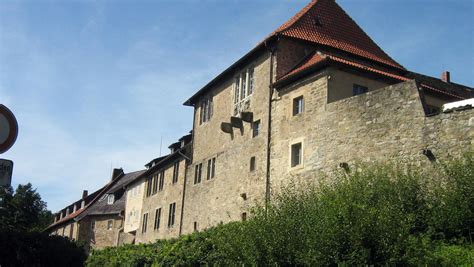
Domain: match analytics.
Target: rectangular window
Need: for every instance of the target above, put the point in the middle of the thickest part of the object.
(161, 180)
(171, 215)
(255, 128)
(110, 199)
(244, 216)
(155, 184)
(237, 90)
(298, 105)
(197, 173)
(157, 219)
(251, 82)
(207, 110)
(144, 222)
(209, 163)
(175, 172)
(93, 225)
(359, 89)
(252, 164)
(149, 186)
(195, 226)
(296, 154)
(243, 86)
(213, 168)
(110, 224)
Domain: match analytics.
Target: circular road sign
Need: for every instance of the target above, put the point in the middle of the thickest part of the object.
(8, 129)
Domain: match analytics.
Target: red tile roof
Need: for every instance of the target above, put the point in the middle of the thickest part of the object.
(67, 218)
(316, 58)
(325, 22)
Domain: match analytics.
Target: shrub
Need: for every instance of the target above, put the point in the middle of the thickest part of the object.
(38, 249)
(375, 215)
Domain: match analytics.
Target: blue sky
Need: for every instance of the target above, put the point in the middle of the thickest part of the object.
(97, 84)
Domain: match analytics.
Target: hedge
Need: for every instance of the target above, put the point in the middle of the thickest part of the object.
(373, 215)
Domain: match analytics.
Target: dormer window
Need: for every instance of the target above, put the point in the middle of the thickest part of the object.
(110, 199)
(244, 85)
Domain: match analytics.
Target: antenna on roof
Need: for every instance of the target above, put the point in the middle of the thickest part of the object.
(161, 143)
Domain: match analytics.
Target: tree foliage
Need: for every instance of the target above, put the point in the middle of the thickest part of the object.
(23, 210)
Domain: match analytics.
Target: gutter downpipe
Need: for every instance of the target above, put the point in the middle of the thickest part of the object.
(272, 50)
(186, 174)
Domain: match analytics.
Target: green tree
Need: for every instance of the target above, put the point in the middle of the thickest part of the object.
(23, 210)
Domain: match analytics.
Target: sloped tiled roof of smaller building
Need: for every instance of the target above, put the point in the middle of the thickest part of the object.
(100, 207)
(316, 60)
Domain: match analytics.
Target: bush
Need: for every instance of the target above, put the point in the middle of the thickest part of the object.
(377, 215)
(38, 249)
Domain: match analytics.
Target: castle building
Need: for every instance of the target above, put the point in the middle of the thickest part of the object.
(315, 95)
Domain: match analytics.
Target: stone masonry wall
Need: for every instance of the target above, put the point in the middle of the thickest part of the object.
(383, 125)
(102, 236)
(172, 193)
(225, 197)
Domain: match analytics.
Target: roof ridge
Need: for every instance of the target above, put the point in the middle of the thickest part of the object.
(285, 26)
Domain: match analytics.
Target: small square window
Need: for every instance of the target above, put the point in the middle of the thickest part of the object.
(359, 89)
(298, 105)
(110, 199)
(296, 154)
(252, 164)
(255, 128)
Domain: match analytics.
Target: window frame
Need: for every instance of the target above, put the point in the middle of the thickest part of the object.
(110, 225)
(198, 173)
(256, 128)
(110, 199)
(298, 105)
(156, 225)
(171, 215)
(161, 180)
(175, 172)
(144, 222)
(243, 87)
(300, 156)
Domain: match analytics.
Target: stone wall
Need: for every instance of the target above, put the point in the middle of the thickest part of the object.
(225, 197)
(172, 193)
(383, 125)
(102, 236)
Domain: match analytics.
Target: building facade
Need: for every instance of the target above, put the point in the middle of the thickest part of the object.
(316, 95)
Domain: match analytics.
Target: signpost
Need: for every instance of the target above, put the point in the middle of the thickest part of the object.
(6, 170)
(8, 129)
(8, 135)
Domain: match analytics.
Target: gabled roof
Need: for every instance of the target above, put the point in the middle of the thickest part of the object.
(324, 22)
(100, 207)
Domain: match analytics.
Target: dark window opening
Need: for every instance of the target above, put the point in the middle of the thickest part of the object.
(252, 164)
(157, 219)
(296, 154)
(255, 128)
(359, 89)
(171, 215)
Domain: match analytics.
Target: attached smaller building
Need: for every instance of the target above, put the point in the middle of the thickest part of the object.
(105, 218)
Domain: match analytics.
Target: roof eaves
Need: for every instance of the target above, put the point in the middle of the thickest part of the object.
(191, 100)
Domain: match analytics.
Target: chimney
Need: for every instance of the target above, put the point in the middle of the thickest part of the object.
(85, 193)
(116, 173)
(446, 77)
